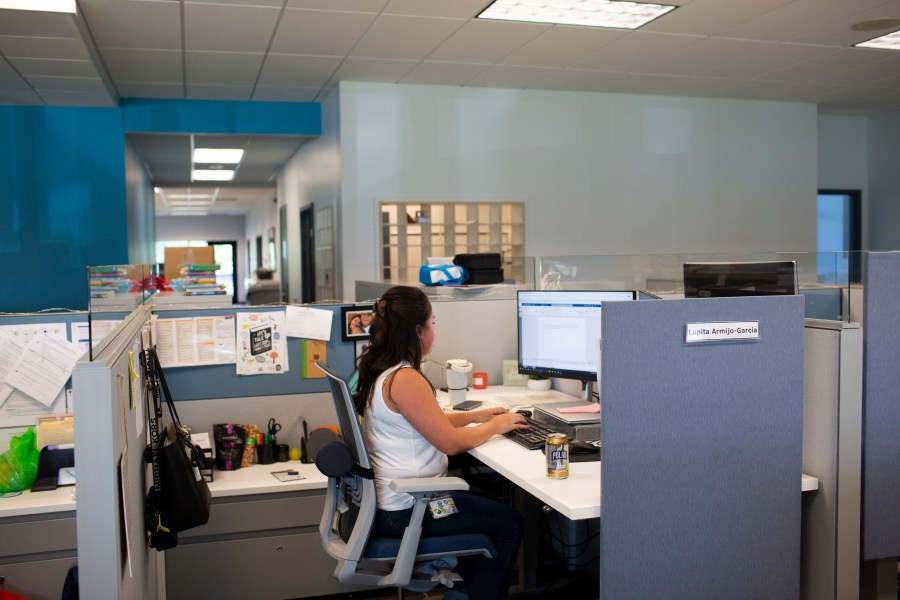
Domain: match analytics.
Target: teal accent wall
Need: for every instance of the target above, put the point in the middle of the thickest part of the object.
(65, 203)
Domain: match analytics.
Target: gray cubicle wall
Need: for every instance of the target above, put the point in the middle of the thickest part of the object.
(832, 430)
(113, 559)
(701, 451)
(222, 381)
(881, 407)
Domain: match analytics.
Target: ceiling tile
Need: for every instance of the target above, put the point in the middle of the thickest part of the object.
(635, 50)
(709, 17)
(790, 21)
(297, 71)
(461, 9)
(272, 93)
(38, 47)
(53, 67)
(443, 73)
(132, 24)
(823, 66)
(804, 92)
(561, 46)
(199, 91)
(509, 76)
(67, 84)
(373, 69)
(66, 98)
(868, 73)
(25, 97)
(751, 88)
(839, 33)
(268, 3)
(766, 58)
(222, 68)
(9, 78)
(705, 55)
(487, 41)
(404, 37)
(159, 66)
(229, 28)
(573, 79)
(38, 24)
(319, 32)
(150, 90)
(370, 6)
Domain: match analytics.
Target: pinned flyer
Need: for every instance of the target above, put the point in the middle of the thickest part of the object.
(262, 347)
(725, 331)
(308, 323)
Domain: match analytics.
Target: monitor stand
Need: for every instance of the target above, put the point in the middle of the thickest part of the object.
(587, 391)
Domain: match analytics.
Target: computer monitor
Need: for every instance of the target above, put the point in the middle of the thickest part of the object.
(728, 279)
(559, 331)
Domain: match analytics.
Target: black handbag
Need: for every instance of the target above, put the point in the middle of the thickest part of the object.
(179, 498)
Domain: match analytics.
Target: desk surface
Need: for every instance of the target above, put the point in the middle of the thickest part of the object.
(577, 497)
(61, 499)
(258, 479)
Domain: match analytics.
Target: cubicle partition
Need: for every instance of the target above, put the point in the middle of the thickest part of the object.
(700, 494)
(881, 409)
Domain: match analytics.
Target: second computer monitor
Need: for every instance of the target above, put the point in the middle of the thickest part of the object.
(559, 331)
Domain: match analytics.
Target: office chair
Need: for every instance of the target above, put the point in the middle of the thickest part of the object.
(411, 562)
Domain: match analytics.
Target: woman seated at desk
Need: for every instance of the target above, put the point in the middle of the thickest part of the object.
(408, 435)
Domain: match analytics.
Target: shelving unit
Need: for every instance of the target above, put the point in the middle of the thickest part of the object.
(413, 232)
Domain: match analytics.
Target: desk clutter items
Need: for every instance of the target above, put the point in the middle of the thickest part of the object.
(179, 498)
(199, 279)
(229, 439)
(483, 268)
(107, 281)
(51, 461)
(19, 464)
(54, 430)
(442, 274)
(250, 435)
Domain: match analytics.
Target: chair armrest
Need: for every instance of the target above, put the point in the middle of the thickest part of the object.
(430, 485)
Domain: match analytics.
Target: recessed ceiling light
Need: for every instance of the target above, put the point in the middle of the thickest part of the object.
(890, 41)
(189, 196)
(229, 156)
(210, 175)
(62, 6)
(592, 13)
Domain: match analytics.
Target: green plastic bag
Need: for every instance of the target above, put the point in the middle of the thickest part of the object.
(18, 465)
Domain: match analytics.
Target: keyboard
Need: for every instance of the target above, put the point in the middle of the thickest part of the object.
(532, 438)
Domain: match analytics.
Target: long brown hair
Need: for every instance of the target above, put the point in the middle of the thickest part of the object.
(394, 339)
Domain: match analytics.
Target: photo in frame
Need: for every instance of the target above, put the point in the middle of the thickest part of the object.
(355, 322)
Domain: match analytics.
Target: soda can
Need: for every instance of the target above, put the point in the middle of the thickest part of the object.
(556, 450)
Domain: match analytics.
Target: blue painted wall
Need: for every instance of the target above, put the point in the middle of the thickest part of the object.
(64, 200)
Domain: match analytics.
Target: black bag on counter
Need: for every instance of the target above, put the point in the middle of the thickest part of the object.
(484, 260)
(179, 498)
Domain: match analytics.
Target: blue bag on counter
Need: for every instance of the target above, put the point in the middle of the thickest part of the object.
(442, 274)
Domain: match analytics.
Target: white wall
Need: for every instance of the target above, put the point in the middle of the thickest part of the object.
(216, 228)
(843, 159)
(600, 173)
(312, 176)
(884, 182)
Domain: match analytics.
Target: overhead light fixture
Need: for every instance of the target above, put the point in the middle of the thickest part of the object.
(226, 156)
(60, 6)
(591, 13)
(212, 175)
(890, 41)
(190, 196)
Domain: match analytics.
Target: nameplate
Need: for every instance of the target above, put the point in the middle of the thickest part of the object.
(725, 331)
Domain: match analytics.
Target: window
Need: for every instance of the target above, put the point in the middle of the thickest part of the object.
(838, 230)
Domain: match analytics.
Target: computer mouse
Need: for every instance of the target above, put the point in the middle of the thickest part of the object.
(577, 447)
(524, 413)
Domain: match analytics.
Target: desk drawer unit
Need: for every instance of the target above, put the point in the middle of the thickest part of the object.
(265, 547)
(36, 553)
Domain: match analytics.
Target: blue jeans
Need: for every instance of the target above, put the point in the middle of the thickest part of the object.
(482, 577)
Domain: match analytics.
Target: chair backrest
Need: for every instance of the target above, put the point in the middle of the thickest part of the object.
(350, 499)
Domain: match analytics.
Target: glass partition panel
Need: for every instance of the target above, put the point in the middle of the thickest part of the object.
(114, 291)
(823, 277)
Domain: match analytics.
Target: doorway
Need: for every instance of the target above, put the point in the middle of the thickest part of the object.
(307, 256)
(839, 236)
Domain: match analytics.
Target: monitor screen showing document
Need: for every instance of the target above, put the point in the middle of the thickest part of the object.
(559, 331)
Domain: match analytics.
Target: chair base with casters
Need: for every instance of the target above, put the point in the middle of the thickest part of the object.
(412, 562)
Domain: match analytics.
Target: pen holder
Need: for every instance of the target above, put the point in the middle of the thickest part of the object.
(265, 454)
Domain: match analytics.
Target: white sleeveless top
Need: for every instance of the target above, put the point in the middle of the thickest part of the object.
(396, 449)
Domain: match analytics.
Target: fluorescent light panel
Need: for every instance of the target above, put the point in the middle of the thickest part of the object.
(222, 156)
(890, 41)
(212, 175)
(61, 6)
(189, 196)
(591, 13)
